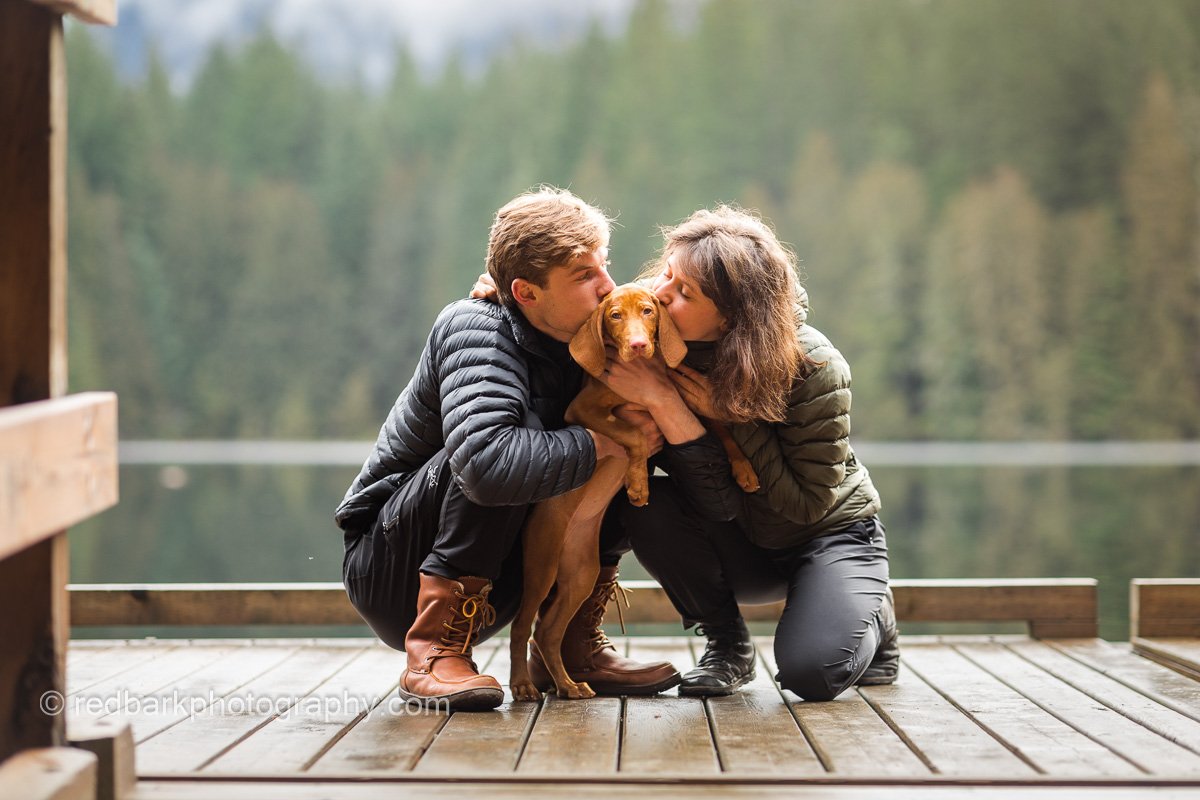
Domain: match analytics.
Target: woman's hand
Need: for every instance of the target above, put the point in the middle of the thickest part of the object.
(485, 289)
(695, 390)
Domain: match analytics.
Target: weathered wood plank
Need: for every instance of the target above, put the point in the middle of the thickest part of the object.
(1161, 607)
(97, 12)
(666, 733)
(1181, 655)
(388, 740)
(849, 737)
(946, 739)
(1040, 739)
(1121, 663)
(87, 666)
(51, 773)
(152, 712)
(195, 741)
(393, 736)
(755, 731)
(1063, 606)
(211, 604)
(1106, 684)
(483, 743)
(573, 737)
(58, 466)
(290, 742)
(724, 790)
(1140, 745)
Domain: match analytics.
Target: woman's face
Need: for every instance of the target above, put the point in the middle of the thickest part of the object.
(696, 317)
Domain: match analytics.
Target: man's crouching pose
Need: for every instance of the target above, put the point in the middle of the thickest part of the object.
(432, 524)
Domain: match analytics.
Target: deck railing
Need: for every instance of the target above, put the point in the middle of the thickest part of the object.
(1051, 607)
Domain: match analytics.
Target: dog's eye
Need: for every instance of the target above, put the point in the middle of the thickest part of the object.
(647, 311)
(616, 315)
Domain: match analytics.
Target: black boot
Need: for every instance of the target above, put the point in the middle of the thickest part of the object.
(727, 663)
(886, 664)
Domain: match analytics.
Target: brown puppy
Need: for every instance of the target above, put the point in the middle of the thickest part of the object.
(561, 537)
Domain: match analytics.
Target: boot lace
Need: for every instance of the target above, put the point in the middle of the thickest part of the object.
(599, 600)
(472, 615)
(723, 641)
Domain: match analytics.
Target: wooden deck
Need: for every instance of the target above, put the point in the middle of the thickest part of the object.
(218, 718)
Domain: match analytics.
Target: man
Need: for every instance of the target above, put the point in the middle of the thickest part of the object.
(433, 521)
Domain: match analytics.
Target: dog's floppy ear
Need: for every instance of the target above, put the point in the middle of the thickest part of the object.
(670, 343)
(587, 345)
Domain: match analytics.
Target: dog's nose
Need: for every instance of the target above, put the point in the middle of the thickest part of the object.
(639, 345)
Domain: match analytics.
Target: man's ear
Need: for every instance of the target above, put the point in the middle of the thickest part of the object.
(670, 343)
(525, 293)
(587, 345)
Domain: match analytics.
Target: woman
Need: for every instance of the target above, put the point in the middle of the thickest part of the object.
(810, 533)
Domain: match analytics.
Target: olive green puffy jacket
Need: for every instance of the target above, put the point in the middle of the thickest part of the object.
(811, 482)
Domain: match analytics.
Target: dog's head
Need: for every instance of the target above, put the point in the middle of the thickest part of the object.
(632, 319)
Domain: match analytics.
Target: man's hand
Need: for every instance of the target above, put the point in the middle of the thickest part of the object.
(485, 289)
(695, 390)
(639, 417)
(606, 447)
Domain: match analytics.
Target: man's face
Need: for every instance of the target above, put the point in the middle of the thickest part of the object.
(570, 295)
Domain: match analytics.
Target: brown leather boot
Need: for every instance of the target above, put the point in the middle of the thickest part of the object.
(589, 656)
(440, 671)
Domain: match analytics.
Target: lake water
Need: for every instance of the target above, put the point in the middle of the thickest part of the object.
(268, 522)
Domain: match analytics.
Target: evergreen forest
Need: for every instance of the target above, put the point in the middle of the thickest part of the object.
(995, 206)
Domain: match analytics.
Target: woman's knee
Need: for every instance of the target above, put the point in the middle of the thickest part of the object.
(810, 675)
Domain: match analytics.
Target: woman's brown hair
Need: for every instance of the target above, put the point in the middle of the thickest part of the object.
(750, 276)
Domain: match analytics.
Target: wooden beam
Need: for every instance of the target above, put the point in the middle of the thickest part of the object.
(1064, 607)
(33, 258)
(58, 466)
(97, 12)
(52, 773)
(1161, 607)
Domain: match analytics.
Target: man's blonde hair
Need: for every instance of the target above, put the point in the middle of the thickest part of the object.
(539, 230)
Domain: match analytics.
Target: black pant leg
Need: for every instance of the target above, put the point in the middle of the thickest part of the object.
(429, 526)
(705, 567)
(830, 629)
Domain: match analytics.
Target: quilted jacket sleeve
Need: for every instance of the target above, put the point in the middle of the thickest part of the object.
(484, 398)
(801, 462)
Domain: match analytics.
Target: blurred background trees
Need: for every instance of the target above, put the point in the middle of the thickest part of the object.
(994, 204)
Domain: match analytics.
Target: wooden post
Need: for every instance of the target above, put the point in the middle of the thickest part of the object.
(33, 351)
(33, 259)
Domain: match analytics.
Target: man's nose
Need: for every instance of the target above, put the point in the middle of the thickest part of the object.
(606, 287)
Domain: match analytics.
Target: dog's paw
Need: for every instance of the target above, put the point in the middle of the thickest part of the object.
(746, 477)
(576, 691)
(638, 496)
(525, 691)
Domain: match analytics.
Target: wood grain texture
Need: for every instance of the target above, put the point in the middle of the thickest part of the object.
(1164, 607)
(58, 466)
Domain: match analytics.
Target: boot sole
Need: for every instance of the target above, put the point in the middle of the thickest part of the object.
(716, 691)
(466, 700)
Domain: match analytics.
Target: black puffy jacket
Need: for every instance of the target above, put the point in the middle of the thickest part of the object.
(488, 390)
